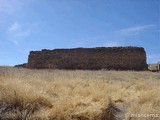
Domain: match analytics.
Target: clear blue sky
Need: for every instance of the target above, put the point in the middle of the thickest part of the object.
(27, 25)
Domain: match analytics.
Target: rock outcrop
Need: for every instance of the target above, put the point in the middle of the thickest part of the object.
(117, 58)
(24, 65)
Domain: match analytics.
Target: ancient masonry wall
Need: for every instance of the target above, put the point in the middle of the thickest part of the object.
(117, 58)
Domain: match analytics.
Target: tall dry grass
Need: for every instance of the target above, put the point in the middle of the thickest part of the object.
(77, 95)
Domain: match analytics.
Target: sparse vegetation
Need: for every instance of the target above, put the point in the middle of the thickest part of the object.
(77, 95)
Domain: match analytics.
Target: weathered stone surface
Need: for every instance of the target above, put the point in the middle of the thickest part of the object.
(154, 67)
(118, 58)
(158, 66)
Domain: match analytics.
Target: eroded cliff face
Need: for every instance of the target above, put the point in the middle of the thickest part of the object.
(117, 58)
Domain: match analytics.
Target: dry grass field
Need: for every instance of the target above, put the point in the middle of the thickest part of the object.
(77, 95)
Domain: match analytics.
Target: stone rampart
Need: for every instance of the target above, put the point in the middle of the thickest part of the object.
(117, 58)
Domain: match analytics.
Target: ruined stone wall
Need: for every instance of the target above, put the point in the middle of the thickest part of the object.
(158, 65)
(118, 58)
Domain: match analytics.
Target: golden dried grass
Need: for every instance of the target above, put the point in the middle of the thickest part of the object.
(76, 95)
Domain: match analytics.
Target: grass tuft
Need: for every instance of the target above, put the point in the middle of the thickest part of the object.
(111, 112)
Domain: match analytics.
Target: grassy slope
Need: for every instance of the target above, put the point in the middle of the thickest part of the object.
(73, 95)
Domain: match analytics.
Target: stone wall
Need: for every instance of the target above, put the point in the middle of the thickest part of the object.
(118, 58)
(158, 66)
